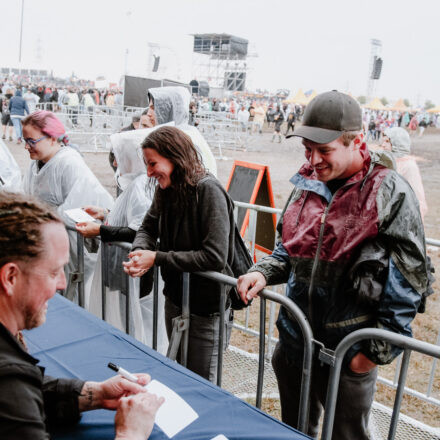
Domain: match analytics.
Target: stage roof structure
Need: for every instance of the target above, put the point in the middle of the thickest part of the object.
(221, 60)
(221, 46)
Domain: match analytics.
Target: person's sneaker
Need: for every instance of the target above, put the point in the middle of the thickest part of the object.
(3, 137)
(10, 138)
(19, 141)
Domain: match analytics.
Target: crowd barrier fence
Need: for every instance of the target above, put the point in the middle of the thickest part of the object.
(91, 127)
(182, 325)
(180, 336)
(250, 237)
(223, 131)
(116, 110)
(336, 358)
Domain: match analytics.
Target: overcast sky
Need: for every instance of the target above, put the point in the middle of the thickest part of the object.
(306, 44)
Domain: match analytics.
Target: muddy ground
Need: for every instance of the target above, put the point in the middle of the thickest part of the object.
(283, 160)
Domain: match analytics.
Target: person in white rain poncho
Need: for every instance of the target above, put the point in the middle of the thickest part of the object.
(121, 225)
(397, 141)
(59, 176)
(172, 104)
(10, 174)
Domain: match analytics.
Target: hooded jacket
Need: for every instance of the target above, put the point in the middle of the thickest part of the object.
(17, 105)
(352, 259)
(406, 165)
(172, 104)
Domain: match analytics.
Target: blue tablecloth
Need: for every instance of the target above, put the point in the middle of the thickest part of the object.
(74, 343)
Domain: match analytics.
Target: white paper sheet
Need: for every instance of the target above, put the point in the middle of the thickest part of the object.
(220, 437)
(174, 414)
(78, 215)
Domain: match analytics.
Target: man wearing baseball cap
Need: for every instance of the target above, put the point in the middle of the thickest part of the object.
(352, 252)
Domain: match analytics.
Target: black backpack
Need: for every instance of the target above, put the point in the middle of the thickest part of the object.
(241, 263)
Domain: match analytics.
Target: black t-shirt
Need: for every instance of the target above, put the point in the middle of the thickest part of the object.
(334, 185)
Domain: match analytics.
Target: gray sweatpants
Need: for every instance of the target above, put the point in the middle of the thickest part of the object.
(355, 397)
(203, 339)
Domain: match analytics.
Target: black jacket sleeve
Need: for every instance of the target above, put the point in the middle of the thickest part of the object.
(26, 410)
(61, 400)
(147, 234)
(117, 233)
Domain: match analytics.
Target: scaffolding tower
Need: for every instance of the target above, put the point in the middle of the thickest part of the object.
(221, 60)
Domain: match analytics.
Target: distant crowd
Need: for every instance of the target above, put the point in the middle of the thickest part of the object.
(17, 100)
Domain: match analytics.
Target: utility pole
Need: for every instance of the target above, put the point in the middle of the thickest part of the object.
(21, 31)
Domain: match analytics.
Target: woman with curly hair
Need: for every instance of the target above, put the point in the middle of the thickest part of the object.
(189, 228)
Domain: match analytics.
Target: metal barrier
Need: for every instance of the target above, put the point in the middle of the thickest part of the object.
(181, 324)
(116, 110)
(126, 288)
(296, 312)
(408, 344)
(90, 127)
(250, 236)
(227, 133)
(76, 278)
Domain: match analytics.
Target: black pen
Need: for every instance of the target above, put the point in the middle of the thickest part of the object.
(123, 372)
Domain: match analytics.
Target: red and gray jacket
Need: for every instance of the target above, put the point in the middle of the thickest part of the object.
(352, 259)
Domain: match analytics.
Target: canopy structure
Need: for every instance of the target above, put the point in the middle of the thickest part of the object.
(375, 104)
(299, 98)
(400, 106)
(435, 109)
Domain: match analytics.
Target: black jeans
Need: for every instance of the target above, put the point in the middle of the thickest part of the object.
(355, 397)
(203, 339)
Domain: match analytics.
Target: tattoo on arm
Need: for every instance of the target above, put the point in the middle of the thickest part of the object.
(89, 394)
(86, 398)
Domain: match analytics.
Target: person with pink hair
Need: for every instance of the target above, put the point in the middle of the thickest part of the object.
(59, 176)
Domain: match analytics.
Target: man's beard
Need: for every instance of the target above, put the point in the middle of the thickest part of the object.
(34, 319)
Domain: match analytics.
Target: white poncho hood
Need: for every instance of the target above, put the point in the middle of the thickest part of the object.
(172, 104)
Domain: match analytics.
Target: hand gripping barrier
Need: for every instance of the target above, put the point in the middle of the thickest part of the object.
(295, 311)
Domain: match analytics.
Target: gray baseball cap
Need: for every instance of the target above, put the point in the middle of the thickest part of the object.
(328, 116)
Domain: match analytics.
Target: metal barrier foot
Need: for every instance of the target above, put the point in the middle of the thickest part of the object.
(74, 279)
(180, 324)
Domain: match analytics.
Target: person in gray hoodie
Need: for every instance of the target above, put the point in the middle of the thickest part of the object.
(18, 107)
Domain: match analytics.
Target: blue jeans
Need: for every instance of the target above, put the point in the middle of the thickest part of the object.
(16, 122)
